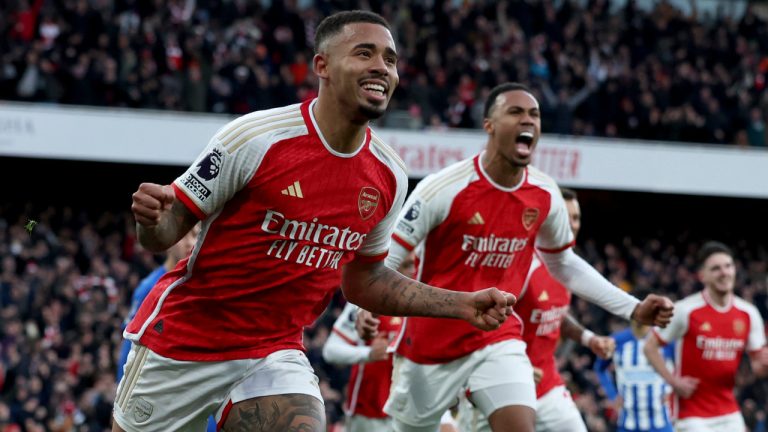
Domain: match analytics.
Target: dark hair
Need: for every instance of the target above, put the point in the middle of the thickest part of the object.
(710, 248)
(499, 89)
(568, 194)
(333, 24)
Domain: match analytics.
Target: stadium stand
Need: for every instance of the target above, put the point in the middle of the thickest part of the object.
(658, 74)
(632, 73)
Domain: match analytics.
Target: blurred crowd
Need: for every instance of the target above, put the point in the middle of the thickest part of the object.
(654, 74)
(66, 282)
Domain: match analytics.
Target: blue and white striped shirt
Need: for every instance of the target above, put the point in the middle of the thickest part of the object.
(641, 388)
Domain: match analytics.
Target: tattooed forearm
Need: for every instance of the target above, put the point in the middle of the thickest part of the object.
(398, 295)
(173, 226)
(291, 412)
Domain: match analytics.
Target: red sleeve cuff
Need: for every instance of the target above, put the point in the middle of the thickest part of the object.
(658, 337)
(558, 250)
(188, 202)
(345, 337)
(402, 242)
(371, 258)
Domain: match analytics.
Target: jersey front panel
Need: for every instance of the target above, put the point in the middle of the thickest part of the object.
(282, 214)
(472, 234)
(542, 307)
(712, 342)
(369, 383)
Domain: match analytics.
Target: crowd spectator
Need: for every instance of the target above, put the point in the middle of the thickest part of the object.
(657, 74)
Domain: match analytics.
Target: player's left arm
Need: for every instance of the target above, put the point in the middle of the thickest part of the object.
(756, 344)
(602, 346)
(554, 242)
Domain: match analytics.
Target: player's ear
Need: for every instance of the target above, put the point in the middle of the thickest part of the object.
(320, 65)
(488, 126)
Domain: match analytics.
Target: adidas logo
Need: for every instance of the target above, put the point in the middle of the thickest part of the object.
(706, 326)
(544, 296)
(293, 190)
(476, 219)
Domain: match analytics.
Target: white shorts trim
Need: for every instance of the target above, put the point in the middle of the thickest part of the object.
(556, 412)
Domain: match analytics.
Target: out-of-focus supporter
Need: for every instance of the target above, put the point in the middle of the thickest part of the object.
(599, 70)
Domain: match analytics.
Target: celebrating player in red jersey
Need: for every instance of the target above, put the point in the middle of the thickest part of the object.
(543, 308)
(473, 224)
(294, 201)
(713, 329)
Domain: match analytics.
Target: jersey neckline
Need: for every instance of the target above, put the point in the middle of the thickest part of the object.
(483, 174)
(309, 119)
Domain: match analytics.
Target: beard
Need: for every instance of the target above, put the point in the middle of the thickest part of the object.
(372, 112)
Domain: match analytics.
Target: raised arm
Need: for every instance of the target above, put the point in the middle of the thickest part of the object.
(161, 219)
(381, 290)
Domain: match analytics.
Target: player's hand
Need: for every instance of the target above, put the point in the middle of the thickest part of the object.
(150, 202)
(685, 386)
(654, 310)
(378, 349)
(489, 308)
(538, 374)
(602, 346)
(618, 403)
(366, 324)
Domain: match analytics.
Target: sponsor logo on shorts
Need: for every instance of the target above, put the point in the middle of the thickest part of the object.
(209, 167)
(142, 411)
(196, 186)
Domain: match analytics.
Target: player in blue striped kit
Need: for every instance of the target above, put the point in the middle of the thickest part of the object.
(641, 393)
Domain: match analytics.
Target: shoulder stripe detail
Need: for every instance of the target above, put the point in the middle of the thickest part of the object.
(385, 148)
(537, 174)
(259, 116)
(270, 127)
(462, 170)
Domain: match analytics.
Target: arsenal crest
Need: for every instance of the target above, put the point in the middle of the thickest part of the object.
(739, 326)
(367, 201)
(529, 217)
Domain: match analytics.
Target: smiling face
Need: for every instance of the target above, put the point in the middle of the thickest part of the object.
(514, 125)
(358, 69)
(718, 273)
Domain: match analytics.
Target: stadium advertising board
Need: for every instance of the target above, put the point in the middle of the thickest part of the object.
(155, 137)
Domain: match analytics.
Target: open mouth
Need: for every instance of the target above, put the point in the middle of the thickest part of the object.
(523, 143)
(375, 91)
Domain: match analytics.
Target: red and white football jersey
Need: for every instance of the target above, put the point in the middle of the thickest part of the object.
(369, 383)
(710, 344)
(282, 213)
(543, 304)
(473, 234)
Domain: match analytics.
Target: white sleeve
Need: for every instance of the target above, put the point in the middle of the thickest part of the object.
(216, 175)
(344, 346)
(338, 351)
(397, 254)
(555, 233)
(756, 338)
(378, 240)
(418, 217)
(676, 327)
(583, 280)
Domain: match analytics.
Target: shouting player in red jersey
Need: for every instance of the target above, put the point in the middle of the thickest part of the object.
(477, 223)
(294, 201)
(543, 308)
(713, 330)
